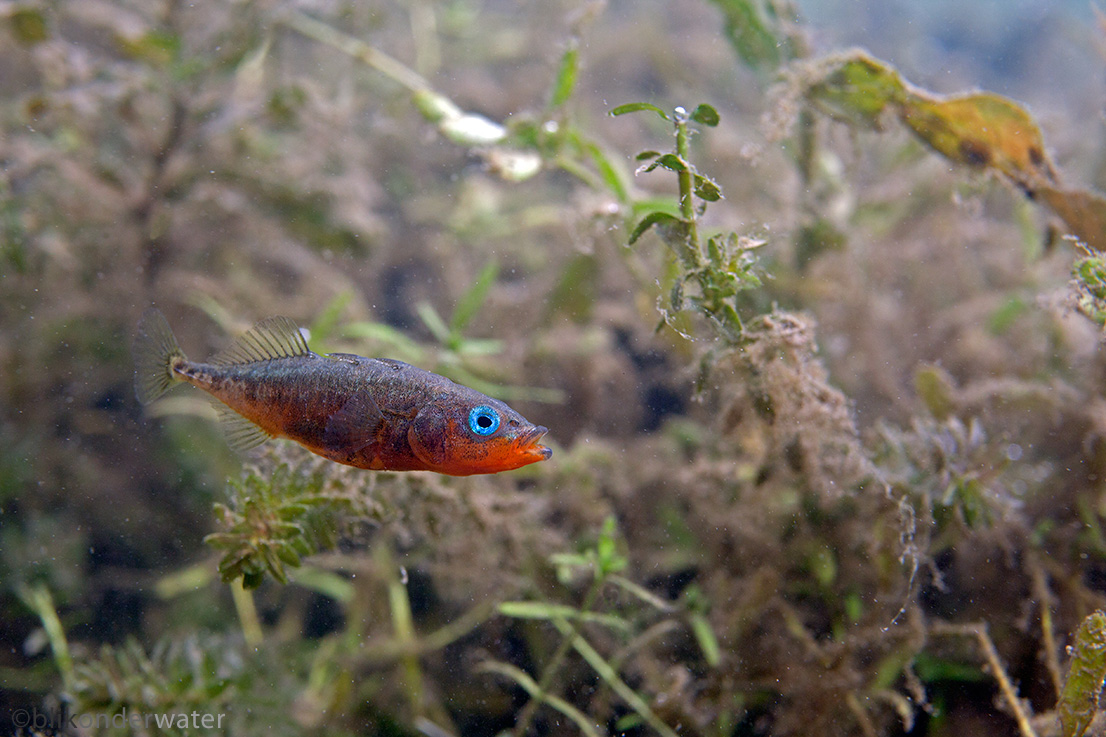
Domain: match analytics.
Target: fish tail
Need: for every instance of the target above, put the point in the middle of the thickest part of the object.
(155, 354)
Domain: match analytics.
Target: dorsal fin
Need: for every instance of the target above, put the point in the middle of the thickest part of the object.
(273, 337)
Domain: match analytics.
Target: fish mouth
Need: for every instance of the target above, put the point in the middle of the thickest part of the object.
(528, 442)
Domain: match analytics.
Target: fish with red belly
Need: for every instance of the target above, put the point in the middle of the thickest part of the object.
(372, 413)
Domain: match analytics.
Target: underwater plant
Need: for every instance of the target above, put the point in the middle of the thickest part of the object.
(828, 447)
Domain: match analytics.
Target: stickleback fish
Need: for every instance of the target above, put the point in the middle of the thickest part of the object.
(372, 413)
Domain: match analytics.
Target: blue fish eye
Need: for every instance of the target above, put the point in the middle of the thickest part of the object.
(483, 420)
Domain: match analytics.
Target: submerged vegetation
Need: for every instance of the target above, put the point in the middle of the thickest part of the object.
(824, 372)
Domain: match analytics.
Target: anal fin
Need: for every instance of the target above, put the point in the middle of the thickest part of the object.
(241, 434)
(355, 425)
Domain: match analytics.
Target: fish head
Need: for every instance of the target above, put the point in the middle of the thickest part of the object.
(468, 433)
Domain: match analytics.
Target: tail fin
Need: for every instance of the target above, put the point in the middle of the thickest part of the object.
(155, 350)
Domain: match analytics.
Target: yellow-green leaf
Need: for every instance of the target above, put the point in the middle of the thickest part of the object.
(858, 90)
(159, 48)
(1079, 699)
(935, 388)
(28, 26)
(1083, 211)
(566, 75)
(978, 129)
(982, 130)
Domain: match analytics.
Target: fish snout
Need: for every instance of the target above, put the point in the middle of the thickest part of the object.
(529, 442)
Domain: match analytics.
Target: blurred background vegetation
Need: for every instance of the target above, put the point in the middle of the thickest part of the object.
(829, 434)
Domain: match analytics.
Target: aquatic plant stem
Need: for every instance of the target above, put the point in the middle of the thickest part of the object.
(247, 613)
(720, 269)
(39, 600)
(404, 628)
(528, 711)
(523, 679)
(691, 252)
(358, 49)
(600, 665)
(1044, 601)
(861, 716)
(979, 631)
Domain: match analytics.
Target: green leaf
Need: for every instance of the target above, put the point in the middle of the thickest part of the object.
(325, 582)
(187, 669)
(577, 289)
(705, 115)
(1003, 318)
(473, 298)
(822, 564)
(570, 560)
(647, 155)
(634, 107)
(566, 75)
(708, 642)
(642, 593)
(38, 599)
(752, 28)
(646, 205)
(434, 322)
(859, 90)
(480, 347)
(707, 189)
(816, 238)
(285, 104)
(397, 342)
(628, 722)
(934, 387)
(28, 26)
(614, 177)
(930, 668)
(158, 48)
(608, 559)
(288, 556)
(183, 581)
(324, 325)
(548, 611)
(273, 520)
(672, 162)
(891, 666)
(1090, 282)
(659, 219)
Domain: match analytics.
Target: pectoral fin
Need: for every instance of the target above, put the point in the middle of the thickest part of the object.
(355, 425)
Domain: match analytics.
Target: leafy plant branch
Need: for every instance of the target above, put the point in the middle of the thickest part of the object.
(514, 153)
(604, 562)
(719, 267)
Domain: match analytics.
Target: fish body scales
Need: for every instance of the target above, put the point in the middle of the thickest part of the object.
(369, 413)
